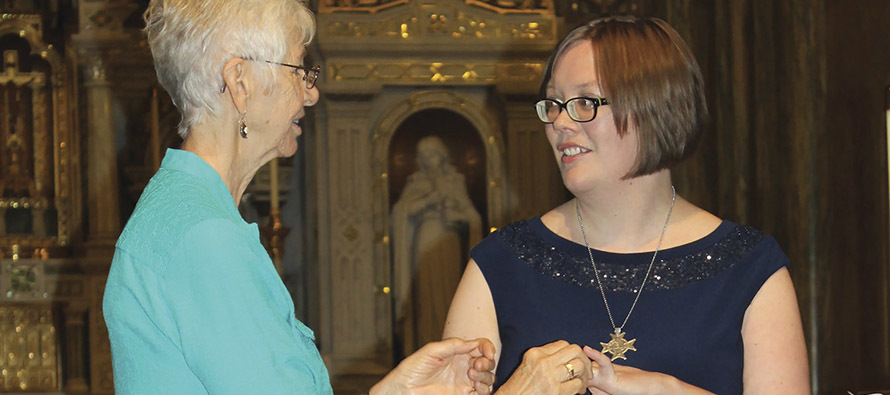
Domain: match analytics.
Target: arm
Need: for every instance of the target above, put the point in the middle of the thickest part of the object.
(775, 351)
(543, 369)
(775, 354)
(230, 314)
(472, 314)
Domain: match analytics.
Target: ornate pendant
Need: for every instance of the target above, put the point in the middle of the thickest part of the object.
(618, 346)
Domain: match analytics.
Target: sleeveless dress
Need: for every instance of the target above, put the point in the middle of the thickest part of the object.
(687, 322)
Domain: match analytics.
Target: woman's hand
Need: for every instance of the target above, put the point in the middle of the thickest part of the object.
(555, 368)
(450, 366)
(611, 379)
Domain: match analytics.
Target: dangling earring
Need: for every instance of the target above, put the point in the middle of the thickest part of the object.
(242, 127)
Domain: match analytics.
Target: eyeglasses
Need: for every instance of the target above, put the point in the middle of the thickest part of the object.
(310, 74)
(580, 109)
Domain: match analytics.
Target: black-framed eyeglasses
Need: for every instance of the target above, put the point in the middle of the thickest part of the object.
(580, 109)
(310, 74)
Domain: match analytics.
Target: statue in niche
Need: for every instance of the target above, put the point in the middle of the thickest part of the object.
(434, 223)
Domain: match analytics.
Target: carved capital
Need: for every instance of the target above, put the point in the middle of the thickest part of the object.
(105, 18)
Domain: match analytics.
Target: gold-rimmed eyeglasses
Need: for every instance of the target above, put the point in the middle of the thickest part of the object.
(310, 74)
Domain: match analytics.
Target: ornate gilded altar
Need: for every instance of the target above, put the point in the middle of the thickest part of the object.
(84, 125)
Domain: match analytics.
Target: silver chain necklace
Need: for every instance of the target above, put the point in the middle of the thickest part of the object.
(618, 346)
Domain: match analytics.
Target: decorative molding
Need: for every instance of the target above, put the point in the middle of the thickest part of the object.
(438, 73)
(515, 6)
(445, 22)
(607, 7)
(104, 17)
(364, 6)
(498, 6)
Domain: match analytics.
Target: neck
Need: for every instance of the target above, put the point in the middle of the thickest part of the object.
(217, 142)
(628, 216)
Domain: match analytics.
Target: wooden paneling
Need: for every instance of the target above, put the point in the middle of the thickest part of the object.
(797, 149)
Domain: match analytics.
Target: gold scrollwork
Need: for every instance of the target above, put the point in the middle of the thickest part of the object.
(402, 27)
(437, 24)
(366, 6)
(515, 6)
(437, 72)
(29, 340)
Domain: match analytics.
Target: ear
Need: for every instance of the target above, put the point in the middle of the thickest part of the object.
(234, 75)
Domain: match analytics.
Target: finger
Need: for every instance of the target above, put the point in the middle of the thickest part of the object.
(482, 381)
(482, 364)
(574, 386)
(568, 353)
(487, 348)
(580, 369)
(455, 346)
(606, 369)
(484, 377)
(596, 391)
(482, 389)
(553, 347)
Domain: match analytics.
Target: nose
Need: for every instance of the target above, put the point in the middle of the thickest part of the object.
(564, 124)
(311, 96)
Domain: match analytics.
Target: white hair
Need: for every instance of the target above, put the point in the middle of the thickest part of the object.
(191, 40)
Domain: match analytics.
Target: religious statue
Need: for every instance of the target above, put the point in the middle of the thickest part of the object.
(434, 224)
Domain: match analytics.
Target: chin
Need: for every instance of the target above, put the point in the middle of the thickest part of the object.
(576, 181)
(288, 150)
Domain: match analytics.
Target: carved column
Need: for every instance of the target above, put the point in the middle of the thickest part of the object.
(102, 203)
(101, 33)
(75, 358)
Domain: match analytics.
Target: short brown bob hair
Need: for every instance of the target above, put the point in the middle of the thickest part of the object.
(651, 78)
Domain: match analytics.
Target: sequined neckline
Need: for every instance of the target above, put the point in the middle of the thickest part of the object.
(551, 255)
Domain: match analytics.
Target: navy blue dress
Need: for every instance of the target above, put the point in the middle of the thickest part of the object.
(687, 322)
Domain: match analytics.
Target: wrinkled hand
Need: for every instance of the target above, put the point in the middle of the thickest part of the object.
(450, 366)
(611, 379)
(543, 371)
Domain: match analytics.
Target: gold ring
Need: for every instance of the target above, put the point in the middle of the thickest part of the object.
(571, 370)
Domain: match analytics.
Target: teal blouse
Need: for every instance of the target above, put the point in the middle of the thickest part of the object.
(193, 303)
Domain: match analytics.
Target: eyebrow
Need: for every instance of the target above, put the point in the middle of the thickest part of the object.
(590, 86)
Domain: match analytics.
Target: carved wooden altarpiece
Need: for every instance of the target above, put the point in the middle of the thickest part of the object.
(39, 215)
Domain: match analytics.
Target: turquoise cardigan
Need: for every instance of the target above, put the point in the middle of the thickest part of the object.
(193, 303)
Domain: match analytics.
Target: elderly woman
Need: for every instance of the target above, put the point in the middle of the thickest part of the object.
(193, 304)
(688, 302)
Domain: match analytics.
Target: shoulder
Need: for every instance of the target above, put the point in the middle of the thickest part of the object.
(510, 236)
(753, 255)
(173, 206)
(217, 246)
(499, 249)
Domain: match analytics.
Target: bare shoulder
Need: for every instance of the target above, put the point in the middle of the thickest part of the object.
(560, 219)
(689, 223)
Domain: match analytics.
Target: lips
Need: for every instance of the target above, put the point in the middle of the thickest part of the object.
(296, 122)
(571, 151)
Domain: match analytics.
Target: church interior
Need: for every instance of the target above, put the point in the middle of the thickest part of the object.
(797, 146)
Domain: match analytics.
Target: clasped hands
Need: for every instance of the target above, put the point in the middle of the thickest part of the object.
(455, 366)
(563, 368)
